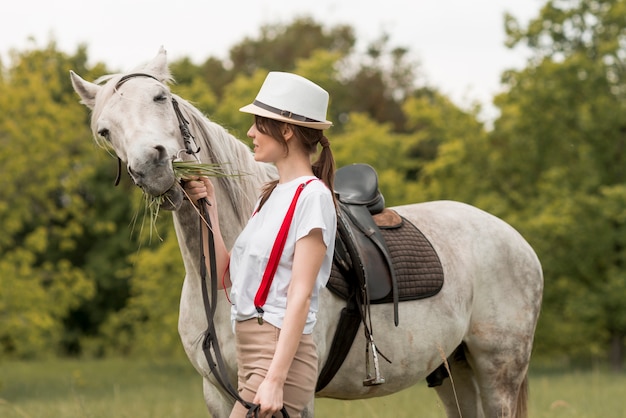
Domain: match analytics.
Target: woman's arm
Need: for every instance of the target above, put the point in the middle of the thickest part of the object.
(308, 258)
(201, 187)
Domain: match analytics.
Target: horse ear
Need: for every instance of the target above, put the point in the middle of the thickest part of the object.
(86, 90)
(158, 66)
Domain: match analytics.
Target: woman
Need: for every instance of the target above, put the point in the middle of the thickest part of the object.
(276, 354)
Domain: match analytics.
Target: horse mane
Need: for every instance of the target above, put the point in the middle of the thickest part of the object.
(217, 145)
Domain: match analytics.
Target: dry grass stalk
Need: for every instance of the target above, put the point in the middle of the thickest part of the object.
(445, 363)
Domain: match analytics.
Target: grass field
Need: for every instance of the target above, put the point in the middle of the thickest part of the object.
(172, 389)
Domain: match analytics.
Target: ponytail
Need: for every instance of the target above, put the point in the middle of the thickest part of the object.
(324, 167)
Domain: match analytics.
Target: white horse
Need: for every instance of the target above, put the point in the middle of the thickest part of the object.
(482, 321)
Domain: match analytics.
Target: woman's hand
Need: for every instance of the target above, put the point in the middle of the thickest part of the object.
(269, 396)
(197, 188)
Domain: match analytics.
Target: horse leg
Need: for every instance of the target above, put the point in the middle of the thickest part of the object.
(501, 375)
(459, 393)
(219, 404)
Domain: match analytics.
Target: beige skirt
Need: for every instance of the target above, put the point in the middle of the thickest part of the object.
(256, 345)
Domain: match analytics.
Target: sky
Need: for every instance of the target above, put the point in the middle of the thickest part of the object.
(459, 44)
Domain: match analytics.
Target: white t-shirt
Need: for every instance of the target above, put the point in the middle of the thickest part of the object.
(251, 251)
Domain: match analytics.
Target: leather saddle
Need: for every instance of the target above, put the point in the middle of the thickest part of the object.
(360, 250)
(363, 272)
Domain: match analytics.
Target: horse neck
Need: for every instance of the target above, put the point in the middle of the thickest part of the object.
(236, 194)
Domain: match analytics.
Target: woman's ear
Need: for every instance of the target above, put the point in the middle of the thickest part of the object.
(287, 131)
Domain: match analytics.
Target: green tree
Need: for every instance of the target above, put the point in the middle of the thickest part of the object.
(446, 149)
(559, 155)
(148, 323)
(65, 228)
(44, 203)
(368, 142)
(280, 46)
(384, 76)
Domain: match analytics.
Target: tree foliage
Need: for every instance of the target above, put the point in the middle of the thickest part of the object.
(563, 119)
(80, 274)
(280, 46)
(42, 212)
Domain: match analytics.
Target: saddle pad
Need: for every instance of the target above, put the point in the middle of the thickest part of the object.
(417, 266)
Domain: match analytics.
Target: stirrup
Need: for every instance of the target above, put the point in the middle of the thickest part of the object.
(377, 379)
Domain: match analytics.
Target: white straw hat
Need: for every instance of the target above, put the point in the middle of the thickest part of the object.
(291, 98)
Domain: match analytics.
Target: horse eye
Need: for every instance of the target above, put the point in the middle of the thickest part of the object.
(104, 133)
(161, 97)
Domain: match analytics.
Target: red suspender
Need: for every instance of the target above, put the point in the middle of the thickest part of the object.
(277, 250)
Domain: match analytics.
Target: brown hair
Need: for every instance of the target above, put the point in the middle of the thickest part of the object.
(323, 167)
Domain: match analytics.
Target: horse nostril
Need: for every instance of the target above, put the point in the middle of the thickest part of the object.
(161, 153)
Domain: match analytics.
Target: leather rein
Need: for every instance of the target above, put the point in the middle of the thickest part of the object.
(210, 345)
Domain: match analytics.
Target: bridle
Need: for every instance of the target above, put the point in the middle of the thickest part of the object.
(191, 147)
(210, 345)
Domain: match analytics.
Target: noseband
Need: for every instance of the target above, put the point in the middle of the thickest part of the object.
(191, 147)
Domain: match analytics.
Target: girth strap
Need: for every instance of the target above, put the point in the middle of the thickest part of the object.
(348, 326)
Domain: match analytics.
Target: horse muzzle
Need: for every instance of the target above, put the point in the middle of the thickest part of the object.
(154, 180)
(173, 198)
(159, 183)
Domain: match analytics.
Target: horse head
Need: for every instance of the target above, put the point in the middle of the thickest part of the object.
(135, 116)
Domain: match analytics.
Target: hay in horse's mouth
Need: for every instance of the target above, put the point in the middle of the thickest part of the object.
(182, 170)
